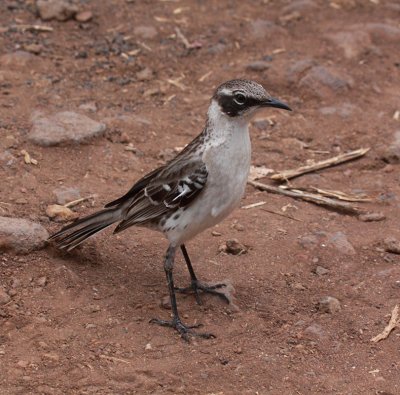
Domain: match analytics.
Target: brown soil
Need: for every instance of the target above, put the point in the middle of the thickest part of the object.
(84, 328)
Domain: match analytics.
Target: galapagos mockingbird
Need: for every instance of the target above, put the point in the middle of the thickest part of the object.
(193, 191)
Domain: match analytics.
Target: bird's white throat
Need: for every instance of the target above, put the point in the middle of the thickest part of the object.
(221, 126)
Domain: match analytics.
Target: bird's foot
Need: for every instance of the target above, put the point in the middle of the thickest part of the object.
(197, 286)
(184, 330)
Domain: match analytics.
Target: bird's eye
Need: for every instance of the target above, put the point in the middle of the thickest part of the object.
(240, 98)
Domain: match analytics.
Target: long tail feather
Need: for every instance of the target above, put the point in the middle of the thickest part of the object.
(76, 233)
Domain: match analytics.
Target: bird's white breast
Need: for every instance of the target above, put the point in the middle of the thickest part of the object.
(227, 156)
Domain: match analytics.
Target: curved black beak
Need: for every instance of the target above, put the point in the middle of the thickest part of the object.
(272, 102)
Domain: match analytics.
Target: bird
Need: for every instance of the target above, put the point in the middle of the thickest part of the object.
(192, 192)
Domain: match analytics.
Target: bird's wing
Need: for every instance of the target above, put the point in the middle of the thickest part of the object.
(169, 188)
(137, 187)
(166, 171)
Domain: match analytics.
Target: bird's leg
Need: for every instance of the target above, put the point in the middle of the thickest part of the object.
(196, 285)
(176, 322)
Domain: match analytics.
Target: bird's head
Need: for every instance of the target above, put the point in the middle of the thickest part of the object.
(242, 98)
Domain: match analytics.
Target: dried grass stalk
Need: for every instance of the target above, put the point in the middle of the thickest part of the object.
(288, 174)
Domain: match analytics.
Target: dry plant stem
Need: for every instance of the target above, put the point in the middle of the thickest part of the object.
(393, 323)
(280, 214)
(337, 195)
(288, 174)
(181, 36)
(77, 201)
(114, 359)
(253, 205)
(309, 197)
(36, 28)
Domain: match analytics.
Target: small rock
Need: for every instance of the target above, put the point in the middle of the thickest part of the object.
(344, 110)
(61, 10)
(148, 347)
(308, 241)
(233, 247)
(382, 31)
(217, 49)
(261, 29)
(146, 32)
(8, 141)
(151, 92)
(352, 43)
(370, 217)
(297, 286)
(33, 48)
(90, 326)
(15, 282)
(298, 69)
(315, 331)
(166, 303)
(329, 304)
(66, 194)
(17, 59)
(392, 153)
(322, 81)
(42, 344)
(258, 65)
(42, 281)
(321, 271)
(23, 364)
(63, 127)
(7, 160)
(21, 235)
(81, 55)
(21, 201)
(93, 308)
(4, 297)
(300, 6)
(144, 75)
(287, 18)
(238, 227)
(261, 124)
(52, 356)
(60, 213)
(392, 245)
(340, 242)
(89, 107)
(124, 138)
(84, 16)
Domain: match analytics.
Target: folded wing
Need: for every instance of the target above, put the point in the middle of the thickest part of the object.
(172, 187)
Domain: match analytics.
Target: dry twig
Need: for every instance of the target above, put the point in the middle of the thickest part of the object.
(114, 359)
(307, 196)
(32, 28)
(393, 323)
(288, 174)
(282, 215)
(337, 194)
(204, 76)
(253, 205)
(177, 83)
(185, 41)
(77, 201)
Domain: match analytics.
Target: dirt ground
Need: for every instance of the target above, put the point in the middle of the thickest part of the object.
(79, 323)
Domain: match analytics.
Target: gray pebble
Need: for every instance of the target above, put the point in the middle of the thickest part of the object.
(329, 304)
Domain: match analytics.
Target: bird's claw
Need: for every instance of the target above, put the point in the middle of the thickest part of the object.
(197, 286)
(184, 330)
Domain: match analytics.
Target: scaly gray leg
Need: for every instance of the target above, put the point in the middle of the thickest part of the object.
(196, 285)
(176, 322)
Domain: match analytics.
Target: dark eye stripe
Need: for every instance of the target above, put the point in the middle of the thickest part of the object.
(230, 107)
